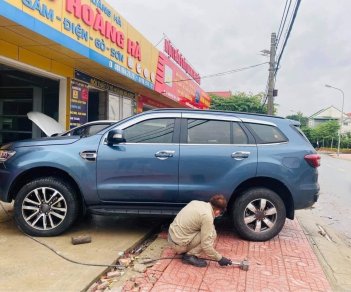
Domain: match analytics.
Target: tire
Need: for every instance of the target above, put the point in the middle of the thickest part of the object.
(259, 214)
(46, 207)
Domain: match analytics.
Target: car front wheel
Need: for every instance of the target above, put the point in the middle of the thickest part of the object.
(259, 214)
(45, 207)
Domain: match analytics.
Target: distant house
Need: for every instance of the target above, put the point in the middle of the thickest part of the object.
(330, 114)
(224, 94)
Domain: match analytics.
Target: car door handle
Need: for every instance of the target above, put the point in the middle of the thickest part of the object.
(240, 155)
(164, 154)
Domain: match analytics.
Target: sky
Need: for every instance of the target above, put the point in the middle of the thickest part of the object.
(229, 34)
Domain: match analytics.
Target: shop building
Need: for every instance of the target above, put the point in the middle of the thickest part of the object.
(78, 61)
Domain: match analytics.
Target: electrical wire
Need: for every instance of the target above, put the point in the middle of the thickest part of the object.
(70, 260)
(282, 22)
(221, 73)
(288, 34)
(164, 36)
(56, 252)
(98, 265)
(146, 261)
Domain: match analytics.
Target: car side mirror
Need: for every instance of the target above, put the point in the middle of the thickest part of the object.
(115, 137)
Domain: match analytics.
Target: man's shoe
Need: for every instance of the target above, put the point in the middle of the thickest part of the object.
(193, 260)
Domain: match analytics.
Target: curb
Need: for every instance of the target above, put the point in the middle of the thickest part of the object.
(332, 252)
(128, 250)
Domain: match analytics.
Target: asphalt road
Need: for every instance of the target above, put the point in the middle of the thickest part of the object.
(334, 204)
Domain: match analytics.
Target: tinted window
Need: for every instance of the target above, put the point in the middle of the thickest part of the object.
(298, 129)
(267, 133)
(151, 131)
(239, 136)
(87, 130)
(208, 132)
(92, 130)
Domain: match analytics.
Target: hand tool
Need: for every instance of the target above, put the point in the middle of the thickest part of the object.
(244, 265)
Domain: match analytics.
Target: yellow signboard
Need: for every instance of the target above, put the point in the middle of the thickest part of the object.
(94, 25)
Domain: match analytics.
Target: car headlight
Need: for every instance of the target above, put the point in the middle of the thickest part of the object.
(6, 154)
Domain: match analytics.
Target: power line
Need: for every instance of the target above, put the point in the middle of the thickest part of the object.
(221, 73)
(288, 34)
(164, 36)
(282, 22)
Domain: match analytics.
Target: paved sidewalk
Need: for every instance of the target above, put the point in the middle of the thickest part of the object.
(341, 156)
(285, 263)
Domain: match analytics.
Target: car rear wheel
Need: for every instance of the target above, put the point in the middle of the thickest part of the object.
(45, 207)
(259, 214)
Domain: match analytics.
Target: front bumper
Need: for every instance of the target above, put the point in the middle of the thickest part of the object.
(5, 183)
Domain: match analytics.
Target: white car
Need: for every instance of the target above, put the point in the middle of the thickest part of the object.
(52, 128)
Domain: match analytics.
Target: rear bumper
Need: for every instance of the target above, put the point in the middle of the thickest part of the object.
(306, 198)
(316, 197)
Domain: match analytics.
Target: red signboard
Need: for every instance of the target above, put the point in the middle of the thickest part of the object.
(174, 53)
(174, 83)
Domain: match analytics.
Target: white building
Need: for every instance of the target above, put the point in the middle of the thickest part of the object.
(330, 114)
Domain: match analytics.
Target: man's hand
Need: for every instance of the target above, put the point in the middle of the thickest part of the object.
(224, 262)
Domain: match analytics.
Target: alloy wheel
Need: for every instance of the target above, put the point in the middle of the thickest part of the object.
(44, 208)
(260, 215)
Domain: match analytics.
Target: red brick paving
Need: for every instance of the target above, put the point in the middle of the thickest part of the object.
(285, 263)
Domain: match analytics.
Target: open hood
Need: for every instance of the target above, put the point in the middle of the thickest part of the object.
(47, 124)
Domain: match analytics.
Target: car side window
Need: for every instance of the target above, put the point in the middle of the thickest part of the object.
(77, 132)
(208, 132)
(93, 129)
(151, 131)
(267, 133)
(239, 136)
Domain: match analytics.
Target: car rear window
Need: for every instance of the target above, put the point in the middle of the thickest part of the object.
(266, 133)
(298, 129)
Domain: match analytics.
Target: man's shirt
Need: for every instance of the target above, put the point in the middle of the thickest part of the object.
(195, 217)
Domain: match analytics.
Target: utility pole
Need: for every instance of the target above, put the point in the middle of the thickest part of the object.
(271, 74)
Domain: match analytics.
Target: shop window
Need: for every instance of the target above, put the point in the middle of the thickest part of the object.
(14, 106)
(127, 108)
(114, 107)
(120, 107)
(20, 93)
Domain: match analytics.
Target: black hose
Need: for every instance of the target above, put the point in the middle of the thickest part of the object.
(72, 261)
(87, 264)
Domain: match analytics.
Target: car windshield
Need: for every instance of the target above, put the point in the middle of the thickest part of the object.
(87, 130)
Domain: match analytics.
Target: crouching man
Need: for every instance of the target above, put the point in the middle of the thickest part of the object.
(193, 231)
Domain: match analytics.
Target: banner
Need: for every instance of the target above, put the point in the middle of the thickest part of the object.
(79, 104)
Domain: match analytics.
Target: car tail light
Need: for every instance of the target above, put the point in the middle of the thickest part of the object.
(313, 159)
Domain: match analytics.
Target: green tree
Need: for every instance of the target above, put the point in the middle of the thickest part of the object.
(326, 132)
(310, 133)
(240, 102)
(346, 140)
(299, 117)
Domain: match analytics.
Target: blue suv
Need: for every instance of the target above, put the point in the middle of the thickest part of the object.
(156, 162)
